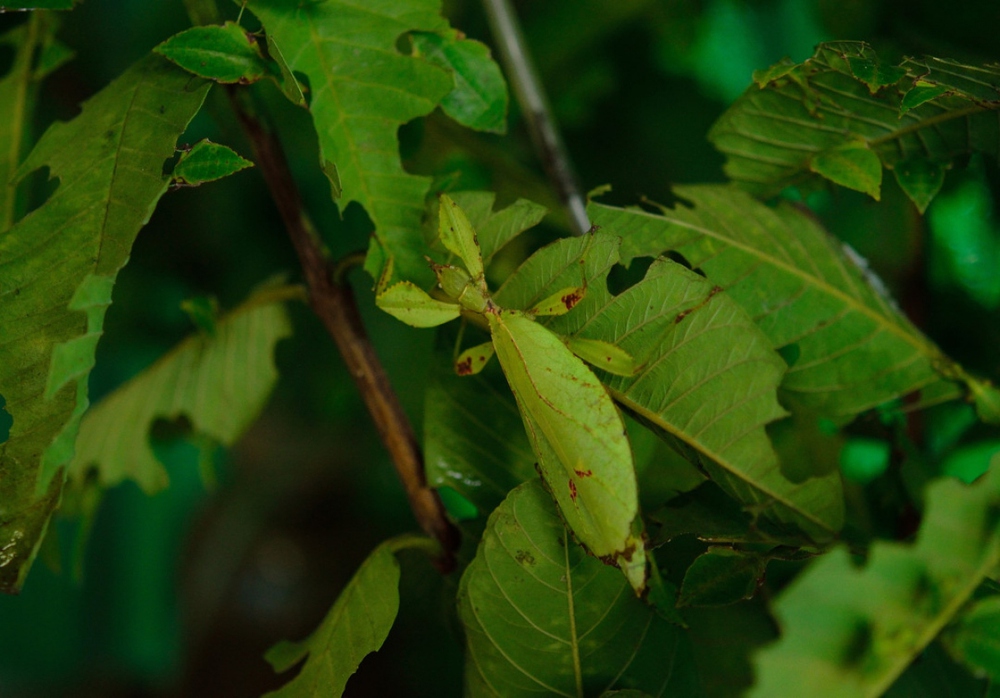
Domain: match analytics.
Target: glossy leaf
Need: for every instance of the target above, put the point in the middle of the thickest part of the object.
(855, 348)
(799, 119)
(479, 98)
(976, 637)
(225, 53)
(722, 576)
(220, 384)
(57, 268)
(207, 162)
(541, 616)
(578, 437)
(847, 630)
(348, 53)
(412, 305)
(18, 93)
(356, 626)
(708, 379)
(474, 441)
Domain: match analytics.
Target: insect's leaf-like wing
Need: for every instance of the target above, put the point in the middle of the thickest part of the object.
(494, 229)
(542, 617)
(458, 236)
(578, 437)
(58, 265)
(412, 305)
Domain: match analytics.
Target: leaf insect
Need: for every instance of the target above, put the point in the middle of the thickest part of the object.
(576, 432)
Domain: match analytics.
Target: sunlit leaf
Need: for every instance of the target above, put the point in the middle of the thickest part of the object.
(849, 630)
(220, 384)
(226, 53)
(207, 162)
(542, 616)
(348, 53)
(356, 626)
(57, 268)
(921, 115)
(479, 98)
(855, 348)
(708, 377)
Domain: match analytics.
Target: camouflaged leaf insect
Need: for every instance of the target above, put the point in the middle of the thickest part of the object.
(603, 355)
(414, 306)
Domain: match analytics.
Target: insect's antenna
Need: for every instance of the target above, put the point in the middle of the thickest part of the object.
(240, 15)
(458, 340)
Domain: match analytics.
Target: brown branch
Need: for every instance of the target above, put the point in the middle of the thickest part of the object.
(334, 304)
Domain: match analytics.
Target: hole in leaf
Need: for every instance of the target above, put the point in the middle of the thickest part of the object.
(621, 278)
(305, 85)
(675, 256)
(411, 136)
(40, 187)
(858, 645)
(404, 44)
(179, 446)
(862, 460)
(6, 421)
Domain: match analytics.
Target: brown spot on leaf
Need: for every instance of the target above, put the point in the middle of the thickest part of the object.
(584, 473)
(572, 490)
(524, 557)
(464, 367)
(571, 299)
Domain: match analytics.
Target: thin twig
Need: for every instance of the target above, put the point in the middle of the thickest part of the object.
(537, 113)
(334, 304)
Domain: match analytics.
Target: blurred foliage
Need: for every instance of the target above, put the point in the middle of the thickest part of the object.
(182, 592)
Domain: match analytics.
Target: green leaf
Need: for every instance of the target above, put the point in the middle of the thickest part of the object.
(226, 53)
(603, 355)
(722, 576)
(18, 94)
(458, 237)
(57, 269)
(851, 165)
(348, 53)
(856, 350)
(494, 229)
(356, 626)
(474, 359)
(40, 5)
(708, 377)
(920, 180)
(976, 637)
(220, 384)
(414, 306)
(207, 162)
(578, 437)
(474, 441)
(801, 120)
(852, 631)
(541, 616)
(479, 98)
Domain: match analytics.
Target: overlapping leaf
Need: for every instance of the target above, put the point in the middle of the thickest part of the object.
(543, 617)
(18, 90)
(852, 631)
(218, 383)
(57, 269)
(849, 346)
(708, 377)
(494, 229)
(843, 114)
(363, 90)
(356, 626)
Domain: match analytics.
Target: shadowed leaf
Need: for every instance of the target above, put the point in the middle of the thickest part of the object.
(207, 162)
(226, 53)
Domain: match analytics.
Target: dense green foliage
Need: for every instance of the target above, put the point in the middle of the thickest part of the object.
(740, 441)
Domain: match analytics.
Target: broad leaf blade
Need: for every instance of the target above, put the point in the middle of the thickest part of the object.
(923, 113)
(356, 626)
(708, 377)
(219, 383)
(479, 98)
(494, 229)
(226, 53)
(57, 269)
(543, 617)
(851, 631)
(207, 162)
(722, 576)
(855, 348)
(348, 51)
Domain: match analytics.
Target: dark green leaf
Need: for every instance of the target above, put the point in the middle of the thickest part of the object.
(207, 162)
(356, 626)
(57, 268)
(708, 377)
(921, 180)
(976, 637)
(856, 349)
(40, 5)
(220, 384)
(543, 616)
(722, 576)
(226, 54)
(928, 111)
(851, 631)
(479, 98)
(348, 52)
